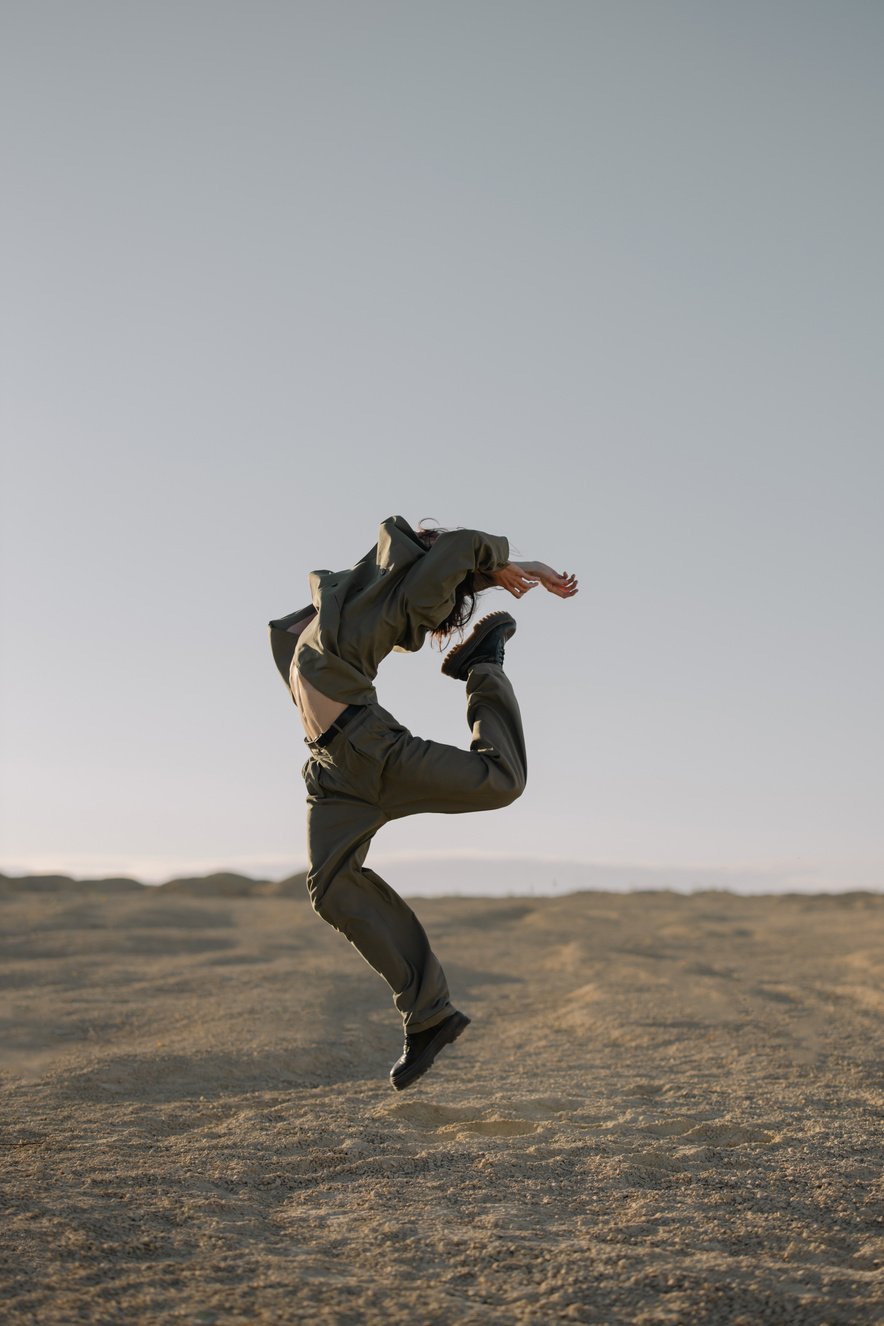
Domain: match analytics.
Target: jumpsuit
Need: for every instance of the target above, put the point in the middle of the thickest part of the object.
(374, 769)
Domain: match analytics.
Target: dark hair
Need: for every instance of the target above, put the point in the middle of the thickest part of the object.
(464, 595)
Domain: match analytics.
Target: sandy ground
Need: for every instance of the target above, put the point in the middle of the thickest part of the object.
(667, 1109)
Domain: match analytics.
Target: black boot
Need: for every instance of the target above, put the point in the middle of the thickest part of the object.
(421, 1048)
(484, 645)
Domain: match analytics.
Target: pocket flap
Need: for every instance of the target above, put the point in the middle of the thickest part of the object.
(372, 736)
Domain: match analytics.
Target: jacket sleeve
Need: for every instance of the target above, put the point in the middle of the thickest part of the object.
(429, 586)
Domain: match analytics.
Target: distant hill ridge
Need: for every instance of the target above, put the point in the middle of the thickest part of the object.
(222, 884)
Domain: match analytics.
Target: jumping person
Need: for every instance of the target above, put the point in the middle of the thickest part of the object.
(364, 768)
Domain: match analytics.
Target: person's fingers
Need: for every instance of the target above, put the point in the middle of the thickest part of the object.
(564, 591)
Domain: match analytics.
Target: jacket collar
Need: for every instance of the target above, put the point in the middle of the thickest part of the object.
(398, 544)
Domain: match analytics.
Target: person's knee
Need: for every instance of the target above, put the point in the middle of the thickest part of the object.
(515, 790)
(507, 788)
(324, 900)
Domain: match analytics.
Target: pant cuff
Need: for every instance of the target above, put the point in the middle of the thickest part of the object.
(412, 1027)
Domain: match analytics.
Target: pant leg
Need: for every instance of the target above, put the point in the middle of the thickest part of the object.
(356, 901)
(421, 776)
(376, 770)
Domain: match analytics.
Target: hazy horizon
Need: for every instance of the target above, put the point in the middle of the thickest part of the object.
(462, 874)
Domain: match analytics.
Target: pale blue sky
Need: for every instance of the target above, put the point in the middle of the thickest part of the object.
(603, 277)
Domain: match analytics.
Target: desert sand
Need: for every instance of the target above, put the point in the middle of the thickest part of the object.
(667, 1109)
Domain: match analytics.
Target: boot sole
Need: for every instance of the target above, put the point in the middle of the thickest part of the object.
(448, 1032)
(455, 660)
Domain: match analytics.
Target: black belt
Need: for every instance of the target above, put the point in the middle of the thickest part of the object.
(340, 722)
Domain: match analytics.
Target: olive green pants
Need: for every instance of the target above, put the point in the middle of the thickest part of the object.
(373, 771)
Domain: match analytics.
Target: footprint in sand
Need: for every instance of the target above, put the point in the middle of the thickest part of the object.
(458, 1119)
(644, 1089)
(655, 1160)
(727, 1134)
(423, 1114)
(492, 1127)
(545, 1107)
(670, 1127)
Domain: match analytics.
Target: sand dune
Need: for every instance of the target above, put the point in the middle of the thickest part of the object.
(224, 884)
(667, 1109)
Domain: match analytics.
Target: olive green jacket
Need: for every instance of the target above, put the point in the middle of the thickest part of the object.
(388, 601)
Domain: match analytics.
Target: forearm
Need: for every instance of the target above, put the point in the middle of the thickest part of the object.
(519, 577)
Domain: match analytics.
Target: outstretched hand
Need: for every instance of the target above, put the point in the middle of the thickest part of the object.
(519, 577)
(513, 577)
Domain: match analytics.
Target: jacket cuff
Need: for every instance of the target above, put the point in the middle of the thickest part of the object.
(482, 579)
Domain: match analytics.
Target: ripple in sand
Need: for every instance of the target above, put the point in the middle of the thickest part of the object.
(728, 1134)
(546, 1107)
(492, 1127)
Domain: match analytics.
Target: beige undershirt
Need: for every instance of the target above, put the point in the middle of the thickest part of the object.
(317, 711)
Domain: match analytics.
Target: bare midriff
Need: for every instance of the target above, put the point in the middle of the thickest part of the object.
(318, 711)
